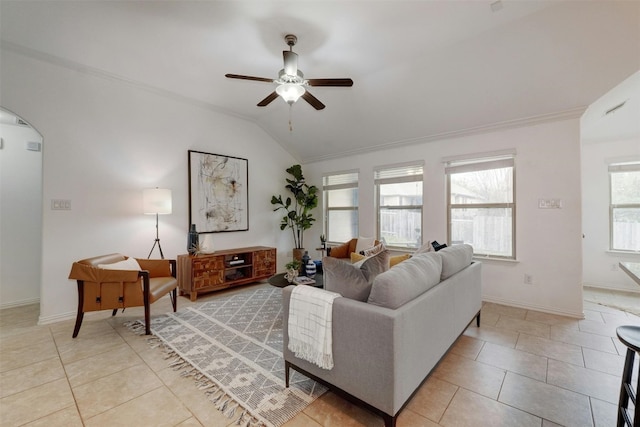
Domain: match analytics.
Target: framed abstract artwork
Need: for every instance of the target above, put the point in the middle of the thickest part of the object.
(218, 192)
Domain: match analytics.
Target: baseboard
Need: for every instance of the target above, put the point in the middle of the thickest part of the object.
(612, 289)
(20, 303)
(56, 318)
(575, 315)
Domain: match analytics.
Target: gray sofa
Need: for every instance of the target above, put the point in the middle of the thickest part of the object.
(386, 345)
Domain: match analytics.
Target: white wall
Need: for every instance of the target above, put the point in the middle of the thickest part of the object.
(107, 140)
(601, 265)
(548, 241)
(20, 216)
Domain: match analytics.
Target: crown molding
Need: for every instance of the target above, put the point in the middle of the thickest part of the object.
(573, 113)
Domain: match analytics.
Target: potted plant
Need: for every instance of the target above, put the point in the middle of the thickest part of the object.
(323, 241)
(297, 208)
(292, 268)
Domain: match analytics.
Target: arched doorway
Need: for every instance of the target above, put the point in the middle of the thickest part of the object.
(21, 148)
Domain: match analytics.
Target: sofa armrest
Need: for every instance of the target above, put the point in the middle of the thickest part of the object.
(158, 267)
(363, 350)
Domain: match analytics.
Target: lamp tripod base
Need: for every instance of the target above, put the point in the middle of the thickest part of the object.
(157, 242)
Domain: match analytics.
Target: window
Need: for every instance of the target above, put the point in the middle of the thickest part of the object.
(340, 193)
(624, 208)
(399, 205)
(481, 205)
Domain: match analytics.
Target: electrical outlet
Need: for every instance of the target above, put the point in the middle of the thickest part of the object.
(528, 279)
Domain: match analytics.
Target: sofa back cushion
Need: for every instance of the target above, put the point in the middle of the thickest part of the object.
(353, 280)
(406, 280)
(454, 259)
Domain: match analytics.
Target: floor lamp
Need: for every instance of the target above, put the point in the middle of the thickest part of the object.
(156, 201)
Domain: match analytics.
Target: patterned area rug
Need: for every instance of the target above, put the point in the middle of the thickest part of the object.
(232, 346)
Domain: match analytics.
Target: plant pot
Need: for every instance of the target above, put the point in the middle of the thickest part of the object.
(291, 275)
(298, 253)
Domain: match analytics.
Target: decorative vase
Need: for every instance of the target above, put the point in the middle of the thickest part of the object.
(305, 260)
(192, 240)
(291, 274)
(311, 269)
(206, 246)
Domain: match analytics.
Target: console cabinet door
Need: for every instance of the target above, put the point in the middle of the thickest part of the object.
(264, 263)
(208, 272)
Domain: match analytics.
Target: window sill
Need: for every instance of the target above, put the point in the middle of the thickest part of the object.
(627, 253)
(494, 259)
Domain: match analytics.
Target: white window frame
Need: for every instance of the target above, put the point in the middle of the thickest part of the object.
(349, 181)
(616, 168)
(397, 174)
(480, 163)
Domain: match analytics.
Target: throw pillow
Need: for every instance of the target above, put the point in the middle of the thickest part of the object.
(364, 243)
(373, 250)
(406, 281)
(353, 280)
(356, 257)
(424, 248)
(127, 264)
(394, 260)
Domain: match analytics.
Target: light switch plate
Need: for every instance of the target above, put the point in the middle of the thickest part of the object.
(60, 205)
(549, 203)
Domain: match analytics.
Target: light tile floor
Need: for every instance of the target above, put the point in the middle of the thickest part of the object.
(520, 368)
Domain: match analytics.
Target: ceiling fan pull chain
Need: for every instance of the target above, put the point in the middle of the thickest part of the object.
(290, 124)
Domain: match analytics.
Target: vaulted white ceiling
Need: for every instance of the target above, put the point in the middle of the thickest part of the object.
(421, 69)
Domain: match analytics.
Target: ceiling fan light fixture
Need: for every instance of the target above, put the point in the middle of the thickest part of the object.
(290, 92)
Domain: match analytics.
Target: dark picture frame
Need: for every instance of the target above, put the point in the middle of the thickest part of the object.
(218, 192)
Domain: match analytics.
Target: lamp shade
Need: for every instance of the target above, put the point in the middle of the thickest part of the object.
(156, 201)
(290, 92)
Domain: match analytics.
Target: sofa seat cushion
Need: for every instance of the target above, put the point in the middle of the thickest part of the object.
(454, 259)
(353, 280)
(160, 286)
(406, 280)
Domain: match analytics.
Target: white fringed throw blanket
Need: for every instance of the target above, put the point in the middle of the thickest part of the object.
(310, 325)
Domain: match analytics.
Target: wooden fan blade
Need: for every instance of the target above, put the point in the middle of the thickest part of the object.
(258, 79)
(331, 82)
(273, 95)
(315, 102)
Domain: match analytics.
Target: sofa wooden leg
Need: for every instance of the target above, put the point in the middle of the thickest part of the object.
(389, 421)
(174, 299)
(478, 320)
(286, 374)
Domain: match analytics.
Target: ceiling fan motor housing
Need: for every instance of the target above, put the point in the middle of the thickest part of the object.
(290, 40)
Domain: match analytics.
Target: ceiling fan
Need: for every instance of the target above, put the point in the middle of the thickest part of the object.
(291, 82)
